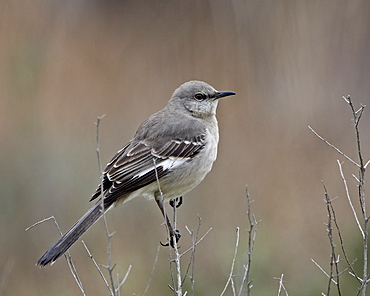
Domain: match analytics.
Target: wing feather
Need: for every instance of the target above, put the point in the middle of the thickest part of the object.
(138, 164)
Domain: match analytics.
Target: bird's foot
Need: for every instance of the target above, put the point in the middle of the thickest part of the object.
(174, 237)
(176, 202)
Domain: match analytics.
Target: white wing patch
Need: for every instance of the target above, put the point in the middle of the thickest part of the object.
(167, 164)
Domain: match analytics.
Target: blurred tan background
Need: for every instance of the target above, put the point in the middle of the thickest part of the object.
(63, 63)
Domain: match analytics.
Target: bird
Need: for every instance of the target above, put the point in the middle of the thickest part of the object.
(170, 154)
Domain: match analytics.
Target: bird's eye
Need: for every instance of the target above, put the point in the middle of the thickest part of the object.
(200, 96)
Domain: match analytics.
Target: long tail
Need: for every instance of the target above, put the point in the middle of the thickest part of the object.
(70, 237)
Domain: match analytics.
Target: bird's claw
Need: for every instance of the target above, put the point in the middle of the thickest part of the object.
(176, 202)
(175, 236)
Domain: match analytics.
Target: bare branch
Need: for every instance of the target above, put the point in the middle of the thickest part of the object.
(357, 114)
(67, 255)
(44, 220)
(363, 224)
(108, 234)
(194, 239)
(281, 285)
(332, 146)
(120, 283)
(323, 271)
(329, 203)
(191, 248)
(98, 268)
(73, 270)
(177, 261)
(97, 124)
(152, 272)
(231, 275)
(245, 275)
(252, 233)
(333, 261)
(346, 99)
(349, 199)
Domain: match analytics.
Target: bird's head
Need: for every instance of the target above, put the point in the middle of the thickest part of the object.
(198, 97)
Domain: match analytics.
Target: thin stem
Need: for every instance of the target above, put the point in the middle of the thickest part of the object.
(120, 283)
(231, 275)
(332, 146)
(67, 255)
(98, 268)
(152, 272)
(333, 256)
(357, 114)
(194, 239)
(109, 235)
(178, 289)
(349, 199)
(252, 233)
(281, 285)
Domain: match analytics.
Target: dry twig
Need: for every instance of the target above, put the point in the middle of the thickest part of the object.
(361, 220)
(98, 268)
(231, 275)
(152, 272)
(109, 235)
(281, 285)
(252, 233)
(67, 255)
(113, 288)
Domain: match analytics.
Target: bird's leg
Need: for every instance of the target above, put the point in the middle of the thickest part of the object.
(177, 233)
(173, 233)
(176, 202)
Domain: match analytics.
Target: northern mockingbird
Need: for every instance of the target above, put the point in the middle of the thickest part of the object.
(170, 154)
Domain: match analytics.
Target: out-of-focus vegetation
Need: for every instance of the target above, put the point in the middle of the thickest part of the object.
(63, 63)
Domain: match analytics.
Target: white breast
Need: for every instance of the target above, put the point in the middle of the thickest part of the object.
(180, 181)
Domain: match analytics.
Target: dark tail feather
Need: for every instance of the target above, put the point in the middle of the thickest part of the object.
(70, 237)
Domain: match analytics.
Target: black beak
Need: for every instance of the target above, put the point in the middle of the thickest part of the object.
(222, 94)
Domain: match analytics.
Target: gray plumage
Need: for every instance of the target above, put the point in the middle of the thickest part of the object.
(177, 145)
